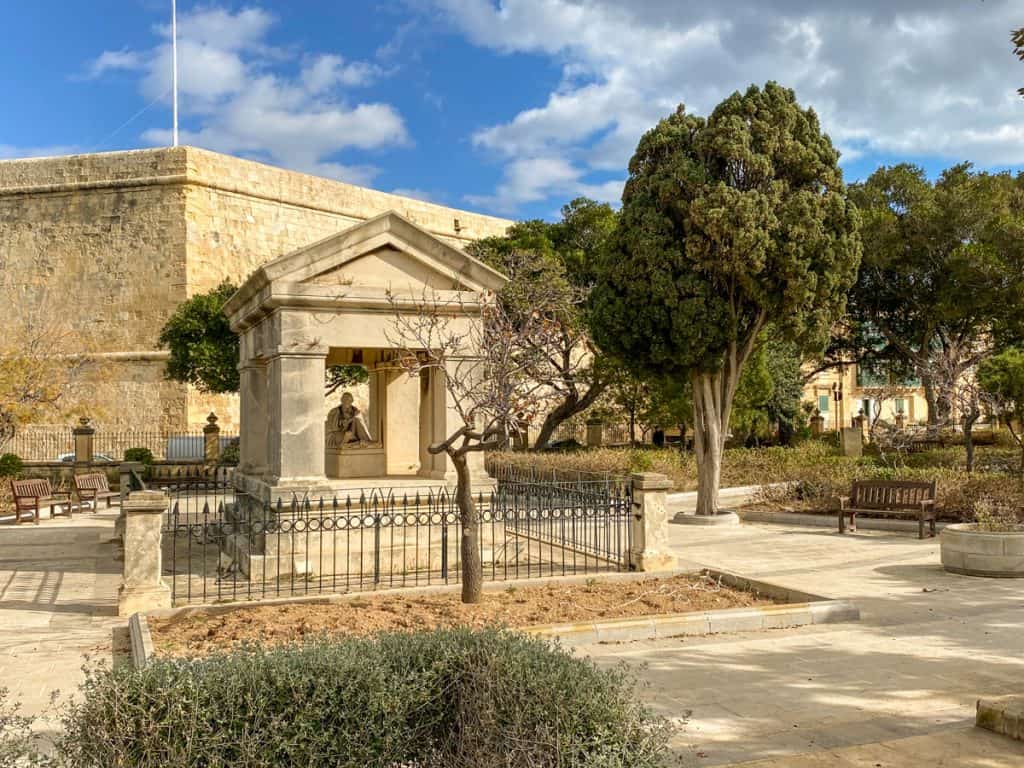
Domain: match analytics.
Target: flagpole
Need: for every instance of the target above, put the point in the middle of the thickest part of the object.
(174, 70)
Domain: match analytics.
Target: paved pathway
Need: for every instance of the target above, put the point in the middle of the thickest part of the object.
(896, 690)
(58, 603)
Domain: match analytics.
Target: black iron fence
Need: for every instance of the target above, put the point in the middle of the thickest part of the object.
(222, 548)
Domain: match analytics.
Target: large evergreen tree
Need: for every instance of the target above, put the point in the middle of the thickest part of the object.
(728, 223)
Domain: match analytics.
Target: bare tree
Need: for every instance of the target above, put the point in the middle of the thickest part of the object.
(494, 368)
(43, 366)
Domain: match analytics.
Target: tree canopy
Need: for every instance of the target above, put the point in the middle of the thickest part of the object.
(942, 278)
(728, 223)
(204, 349)
(1001, 379)
(552, 265)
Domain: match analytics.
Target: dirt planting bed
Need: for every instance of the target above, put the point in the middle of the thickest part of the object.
(594, 600)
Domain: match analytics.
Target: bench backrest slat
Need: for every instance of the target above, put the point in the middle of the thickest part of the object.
(95, 481)
(25, 491)
(891, 494)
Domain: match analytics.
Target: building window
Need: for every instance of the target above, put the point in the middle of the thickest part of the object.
(823, 403)
(900, 405)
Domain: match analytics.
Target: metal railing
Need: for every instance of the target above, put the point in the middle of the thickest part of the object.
(222, 548)
(58, 444)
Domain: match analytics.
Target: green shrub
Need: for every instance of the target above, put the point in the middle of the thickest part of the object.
(229, 454)
(143, 455)
(17, 744)
(10, 465)
(455, 698)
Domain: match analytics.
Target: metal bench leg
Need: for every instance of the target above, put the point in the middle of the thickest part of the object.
(920, 527)
(842, 520)
(853, 522)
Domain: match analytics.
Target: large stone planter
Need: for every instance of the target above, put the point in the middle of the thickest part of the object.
(971, 552)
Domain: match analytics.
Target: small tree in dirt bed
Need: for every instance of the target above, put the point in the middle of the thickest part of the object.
(494, 372)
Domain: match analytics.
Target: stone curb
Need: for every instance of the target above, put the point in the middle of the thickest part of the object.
(700, 623)
(828, 521)
(140, 639)
(797, 609)
(1003, 715)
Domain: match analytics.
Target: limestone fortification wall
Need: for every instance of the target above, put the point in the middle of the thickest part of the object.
(117, 240)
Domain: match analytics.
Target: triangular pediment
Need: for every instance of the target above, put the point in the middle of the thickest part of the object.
(385, 252)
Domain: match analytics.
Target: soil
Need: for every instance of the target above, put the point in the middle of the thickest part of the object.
(514, 606)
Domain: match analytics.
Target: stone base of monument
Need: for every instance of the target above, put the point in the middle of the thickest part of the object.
(724, 517)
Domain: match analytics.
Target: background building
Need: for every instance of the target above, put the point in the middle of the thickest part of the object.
(864, 392)
(115, 241)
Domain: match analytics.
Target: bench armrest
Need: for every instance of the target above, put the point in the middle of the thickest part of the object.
(928, 503)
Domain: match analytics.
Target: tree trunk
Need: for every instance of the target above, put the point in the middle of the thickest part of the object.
(632, 428)
(565, 410)
(973, 415)
(682, 438)
(931, 400)
(472, 565)
(708, 439)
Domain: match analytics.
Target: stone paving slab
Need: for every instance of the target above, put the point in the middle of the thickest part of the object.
(58, 603)
(960, 748)
(897, 690)
(929, 644)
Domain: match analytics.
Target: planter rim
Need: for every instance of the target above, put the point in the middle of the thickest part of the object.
(969, 528)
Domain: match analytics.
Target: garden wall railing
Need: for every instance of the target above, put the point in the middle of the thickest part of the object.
(219, 547)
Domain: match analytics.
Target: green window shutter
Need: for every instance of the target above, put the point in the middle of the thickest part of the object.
(823, 403)
(901, 405)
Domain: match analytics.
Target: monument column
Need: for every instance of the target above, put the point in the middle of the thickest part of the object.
(432, 423)
(295, 438)
(464, 368)
(252, 435)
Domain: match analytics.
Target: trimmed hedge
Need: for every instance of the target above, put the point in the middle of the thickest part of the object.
(454, 698)
(814, 469)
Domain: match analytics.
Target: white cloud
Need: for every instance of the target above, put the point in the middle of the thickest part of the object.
(110, 61)
(917, 77)
(234, 101)
(535, 178)
(326, 71)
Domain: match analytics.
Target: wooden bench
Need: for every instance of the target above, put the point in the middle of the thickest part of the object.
(91, 488)
(32, 495)
(898, 497)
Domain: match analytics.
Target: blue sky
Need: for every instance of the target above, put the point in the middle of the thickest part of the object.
(510, 108)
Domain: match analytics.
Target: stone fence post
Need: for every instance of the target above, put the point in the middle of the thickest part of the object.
(211, 440)
(817, 424)
(83, 435)
(142, 584)
(650, 549)
(595, 433)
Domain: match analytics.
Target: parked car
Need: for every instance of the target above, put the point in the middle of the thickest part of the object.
(97, 458)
